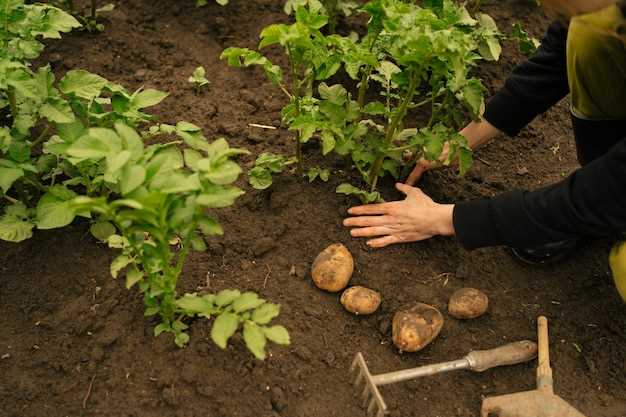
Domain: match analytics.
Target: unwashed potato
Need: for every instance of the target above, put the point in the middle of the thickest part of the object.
(468, 303)
(416, 327)
(333, 268)
(360, 300)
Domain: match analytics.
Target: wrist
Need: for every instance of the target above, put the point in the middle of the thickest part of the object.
(445, 223)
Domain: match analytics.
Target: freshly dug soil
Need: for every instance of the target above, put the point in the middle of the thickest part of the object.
(74, 342)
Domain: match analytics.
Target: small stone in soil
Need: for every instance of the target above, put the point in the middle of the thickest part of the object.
(303, 353)
(263, 246)
(278, 399)
(141, 73)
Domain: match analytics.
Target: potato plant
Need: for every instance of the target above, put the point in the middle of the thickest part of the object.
(412, 56)
(161, 216)
(332, 8)
(70, 148)
(312, 57)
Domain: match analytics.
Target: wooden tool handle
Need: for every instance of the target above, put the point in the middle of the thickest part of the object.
(511, 354)
(544, 371)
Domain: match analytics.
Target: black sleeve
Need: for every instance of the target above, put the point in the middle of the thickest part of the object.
(534, 86)
(591, 202)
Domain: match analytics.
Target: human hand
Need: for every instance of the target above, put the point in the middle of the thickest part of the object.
(420, 168)
(415, 218)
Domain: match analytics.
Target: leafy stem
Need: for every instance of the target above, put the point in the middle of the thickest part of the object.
(391, 129)
(42, 136)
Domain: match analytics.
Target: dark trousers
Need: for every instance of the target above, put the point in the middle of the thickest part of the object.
(595, 138)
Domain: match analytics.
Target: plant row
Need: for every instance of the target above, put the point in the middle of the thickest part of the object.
(83, 146)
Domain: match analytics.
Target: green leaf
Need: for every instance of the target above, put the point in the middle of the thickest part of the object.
(8, 176)
(133, 276)
(57, 111)
(328, 142)
(247, 301)
(102, 230)
(335, 94)
(162, 327)
(375, 108)
(366, 197)
(224, 173)
(98, 143)
(260, 178)
(255, 339)
(15, 225)
(55, 210)
(82, 84)
(181, 339)
(147, 98)
(210, 227)
(118, 264)
(265, 313)
(194, 304)
(219, 197)
(175, 182)
(277, 334)
(132, 178)
(224, 327)
(226, 297)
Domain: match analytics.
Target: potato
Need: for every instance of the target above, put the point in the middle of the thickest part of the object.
(360, 300)
(416, 327)
(468, 303)
(333, 268)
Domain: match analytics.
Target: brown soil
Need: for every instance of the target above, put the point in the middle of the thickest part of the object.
(74, 342)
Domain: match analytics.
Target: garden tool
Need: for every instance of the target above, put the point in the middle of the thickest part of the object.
(478, 361)
(538, 403)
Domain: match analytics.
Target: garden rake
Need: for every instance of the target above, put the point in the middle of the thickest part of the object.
(477, 361)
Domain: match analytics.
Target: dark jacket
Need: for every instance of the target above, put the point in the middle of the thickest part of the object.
(590, 202)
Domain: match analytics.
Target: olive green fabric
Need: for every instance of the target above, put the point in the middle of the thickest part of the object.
(596, 64)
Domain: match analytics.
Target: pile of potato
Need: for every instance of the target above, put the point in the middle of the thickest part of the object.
(412, 328)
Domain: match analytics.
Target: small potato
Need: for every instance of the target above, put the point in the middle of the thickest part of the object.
(333, 268)
(360, 300)
(416, 327)
(468, 303)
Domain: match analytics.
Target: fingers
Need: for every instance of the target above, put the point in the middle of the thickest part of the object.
(381, 242)
(371, 231)
(407, 189)
(365, 221)
(380, 208)
(416, 174)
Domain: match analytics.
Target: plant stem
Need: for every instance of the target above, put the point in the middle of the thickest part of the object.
(363, 87)
(42, 136)
(295, 90)
(11, 199)
(391, 130)
(35, 183)
(93, 10)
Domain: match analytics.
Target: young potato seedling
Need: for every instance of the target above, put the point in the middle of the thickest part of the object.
(164, 195)
(198, 79)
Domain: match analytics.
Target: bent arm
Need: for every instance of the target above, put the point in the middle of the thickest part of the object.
(591, 202)
(534, 85)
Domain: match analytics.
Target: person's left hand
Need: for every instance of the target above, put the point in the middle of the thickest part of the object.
(415, 218)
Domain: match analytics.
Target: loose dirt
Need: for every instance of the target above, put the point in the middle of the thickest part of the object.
(74, 342)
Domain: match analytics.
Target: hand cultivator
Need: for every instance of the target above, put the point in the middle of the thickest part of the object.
(477, 361)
